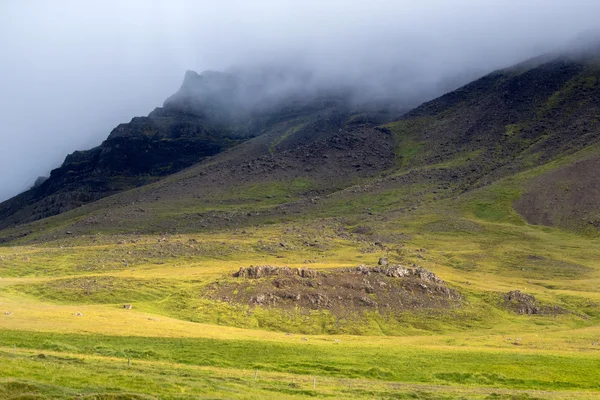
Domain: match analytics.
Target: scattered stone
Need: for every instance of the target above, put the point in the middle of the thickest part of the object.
(260, 299)
(127, 306)
(319, 300)
(383, 261)
(8, 313)
(77, 314)
(304, 339)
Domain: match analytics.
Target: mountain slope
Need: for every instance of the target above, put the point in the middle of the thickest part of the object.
(210, 113)
(134, 154)
(334, 223)
(516, 119)
(509, 121)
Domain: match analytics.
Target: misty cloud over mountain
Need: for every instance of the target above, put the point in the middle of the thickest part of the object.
(72, 70)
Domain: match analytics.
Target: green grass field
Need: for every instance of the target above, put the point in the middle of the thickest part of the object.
(65, 334)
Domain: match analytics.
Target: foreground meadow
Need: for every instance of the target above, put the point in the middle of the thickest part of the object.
(64, 331)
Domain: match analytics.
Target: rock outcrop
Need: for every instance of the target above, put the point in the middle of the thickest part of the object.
(391, 288)
(526, 304)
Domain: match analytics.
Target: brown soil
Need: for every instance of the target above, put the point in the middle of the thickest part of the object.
(566, 197)
(342, 291)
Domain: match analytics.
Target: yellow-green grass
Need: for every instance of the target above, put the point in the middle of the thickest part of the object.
(553, 353)
(407, 361)
(493, 258)
(183, 344)
(52, 374)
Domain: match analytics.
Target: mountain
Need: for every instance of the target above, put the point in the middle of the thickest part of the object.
(268, 232)
(318, 144)
(518, 119)
(210, 113)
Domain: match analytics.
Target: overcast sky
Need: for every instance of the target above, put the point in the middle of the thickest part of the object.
(70, 71)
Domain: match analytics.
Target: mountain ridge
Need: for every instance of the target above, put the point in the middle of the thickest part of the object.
(508, 121)
(187, 129)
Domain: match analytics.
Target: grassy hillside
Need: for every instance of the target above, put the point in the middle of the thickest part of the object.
(183, 344)
(459, 187)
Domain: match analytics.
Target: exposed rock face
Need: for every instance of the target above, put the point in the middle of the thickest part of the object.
(134, 154)
(393, 271)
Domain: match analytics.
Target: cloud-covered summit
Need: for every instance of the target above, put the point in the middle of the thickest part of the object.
(74, 70)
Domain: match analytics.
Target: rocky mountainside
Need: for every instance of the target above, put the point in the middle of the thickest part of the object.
(512, 119)
(289, 149)
(210, 113)
(518, 119)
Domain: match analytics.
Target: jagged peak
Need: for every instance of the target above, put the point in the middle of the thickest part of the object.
(189, 77)
(208, 87)
(193, 80)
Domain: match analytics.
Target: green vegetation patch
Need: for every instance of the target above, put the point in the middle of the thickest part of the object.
(495, 203)
(572, 90)
(512, 130)
(538, 267)
(98, 289)
(407, 147)
(451, 225)
(484, 367)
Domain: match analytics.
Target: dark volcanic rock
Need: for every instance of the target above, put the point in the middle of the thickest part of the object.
(134, 154)
(39, 181)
